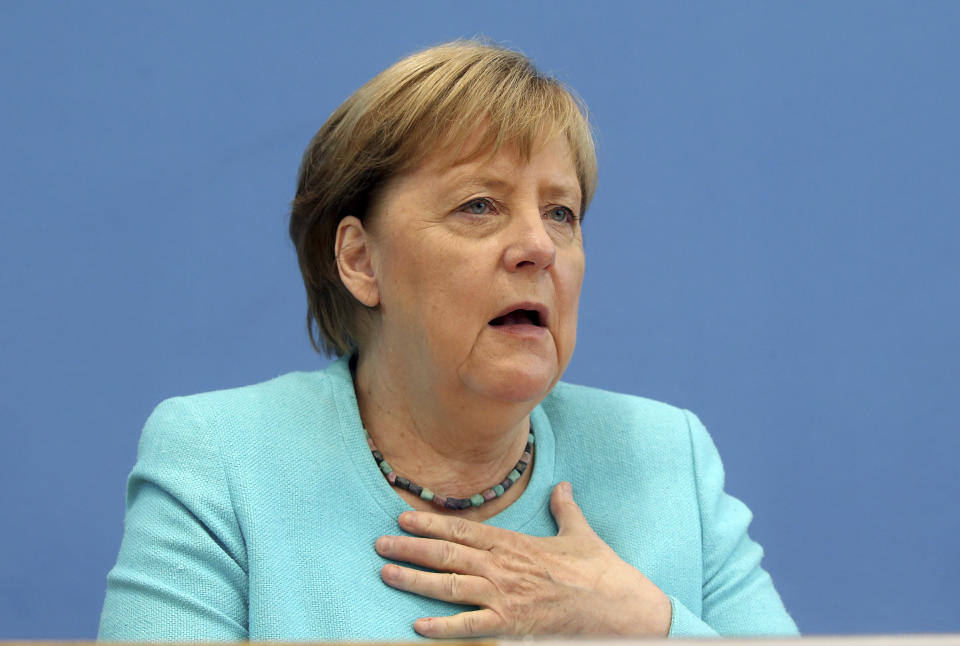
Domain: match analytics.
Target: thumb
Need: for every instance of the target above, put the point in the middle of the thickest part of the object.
(570, 520)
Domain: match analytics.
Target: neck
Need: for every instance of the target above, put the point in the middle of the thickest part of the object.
(439, 435)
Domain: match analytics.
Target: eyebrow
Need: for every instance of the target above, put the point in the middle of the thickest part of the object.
(484, 181)
(489, 182)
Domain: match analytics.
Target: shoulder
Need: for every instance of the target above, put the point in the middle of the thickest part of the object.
(280, 393)
(570, 403)
(288, 404)
(600, 422)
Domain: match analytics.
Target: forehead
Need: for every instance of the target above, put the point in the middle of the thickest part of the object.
(549, 164)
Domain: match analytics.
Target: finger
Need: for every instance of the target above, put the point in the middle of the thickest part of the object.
(449, 528)
(474, 623)
(435, 554)
(570, 520)
(455, 588)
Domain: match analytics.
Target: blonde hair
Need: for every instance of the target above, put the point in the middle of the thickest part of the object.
(431, 101)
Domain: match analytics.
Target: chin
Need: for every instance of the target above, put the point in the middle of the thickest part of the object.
(520, 382)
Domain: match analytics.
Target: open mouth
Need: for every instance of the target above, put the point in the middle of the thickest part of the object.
(518, 317)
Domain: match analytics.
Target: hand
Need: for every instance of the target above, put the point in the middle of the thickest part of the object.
(572, 583)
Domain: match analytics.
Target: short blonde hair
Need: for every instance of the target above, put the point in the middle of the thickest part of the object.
(430, 101)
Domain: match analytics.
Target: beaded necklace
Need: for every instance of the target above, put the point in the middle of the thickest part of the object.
(449, 502)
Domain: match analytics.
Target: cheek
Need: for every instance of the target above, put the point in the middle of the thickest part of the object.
(442, 288)
(408, 278)
(571, 280)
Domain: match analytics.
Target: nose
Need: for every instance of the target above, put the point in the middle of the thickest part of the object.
(530, 245)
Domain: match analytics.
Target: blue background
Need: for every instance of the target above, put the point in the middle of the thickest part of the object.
(773, 245)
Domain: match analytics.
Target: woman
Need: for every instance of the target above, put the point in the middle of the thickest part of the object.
(422, 482)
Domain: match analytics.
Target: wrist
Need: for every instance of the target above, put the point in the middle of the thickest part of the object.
(648, 612)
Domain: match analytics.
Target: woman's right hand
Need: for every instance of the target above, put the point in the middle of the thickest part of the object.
(572, 583)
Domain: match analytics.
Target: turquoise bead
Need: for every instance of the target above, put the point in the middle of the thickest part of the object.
(385, 467)
(426, 494)
(514, 475)
(476, 500)
(498, 489)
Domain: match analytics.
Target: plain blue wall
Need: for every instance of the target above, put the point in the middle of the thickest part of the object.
(773, 245)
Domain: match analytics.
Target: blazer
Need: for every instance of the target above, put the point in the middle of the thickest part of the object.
(252, 514)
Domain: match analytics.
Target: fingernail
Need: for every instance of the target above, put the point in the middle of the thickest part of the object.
(422, 624)
(567, 489)
(391, 572)
(384, 543)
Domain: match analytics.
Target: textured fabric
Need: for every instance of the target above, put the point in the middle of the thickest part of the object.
(252, 513)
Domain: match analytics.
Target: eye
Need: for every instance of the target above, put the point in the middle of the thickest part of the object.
(478, 206)
(561, 214)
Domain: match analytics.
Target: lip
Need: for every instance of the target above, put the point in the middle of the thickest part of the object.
(542, 311)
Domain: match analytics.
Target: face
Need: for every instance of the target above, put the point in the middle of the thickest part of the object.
(478, 269)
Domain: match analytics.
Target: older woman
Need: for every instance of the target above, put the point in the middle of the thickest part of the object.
(437, 477)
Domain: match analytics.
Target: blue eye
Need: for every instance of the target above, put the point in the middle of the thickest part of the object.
(561, 214)
(477, 207)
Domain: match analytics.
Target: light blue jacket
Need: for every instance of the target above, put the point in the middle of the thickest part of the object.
(252, 514)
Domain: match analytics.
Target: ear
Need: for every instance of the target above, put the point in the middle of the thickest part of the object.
(353, 251)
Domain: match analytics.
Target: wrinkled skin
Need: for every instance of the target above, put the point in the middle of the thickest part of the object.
(570, 584)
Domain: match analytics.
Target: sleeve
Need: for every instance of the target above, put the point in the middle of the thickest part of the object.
(181, 574)
(738, 594)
